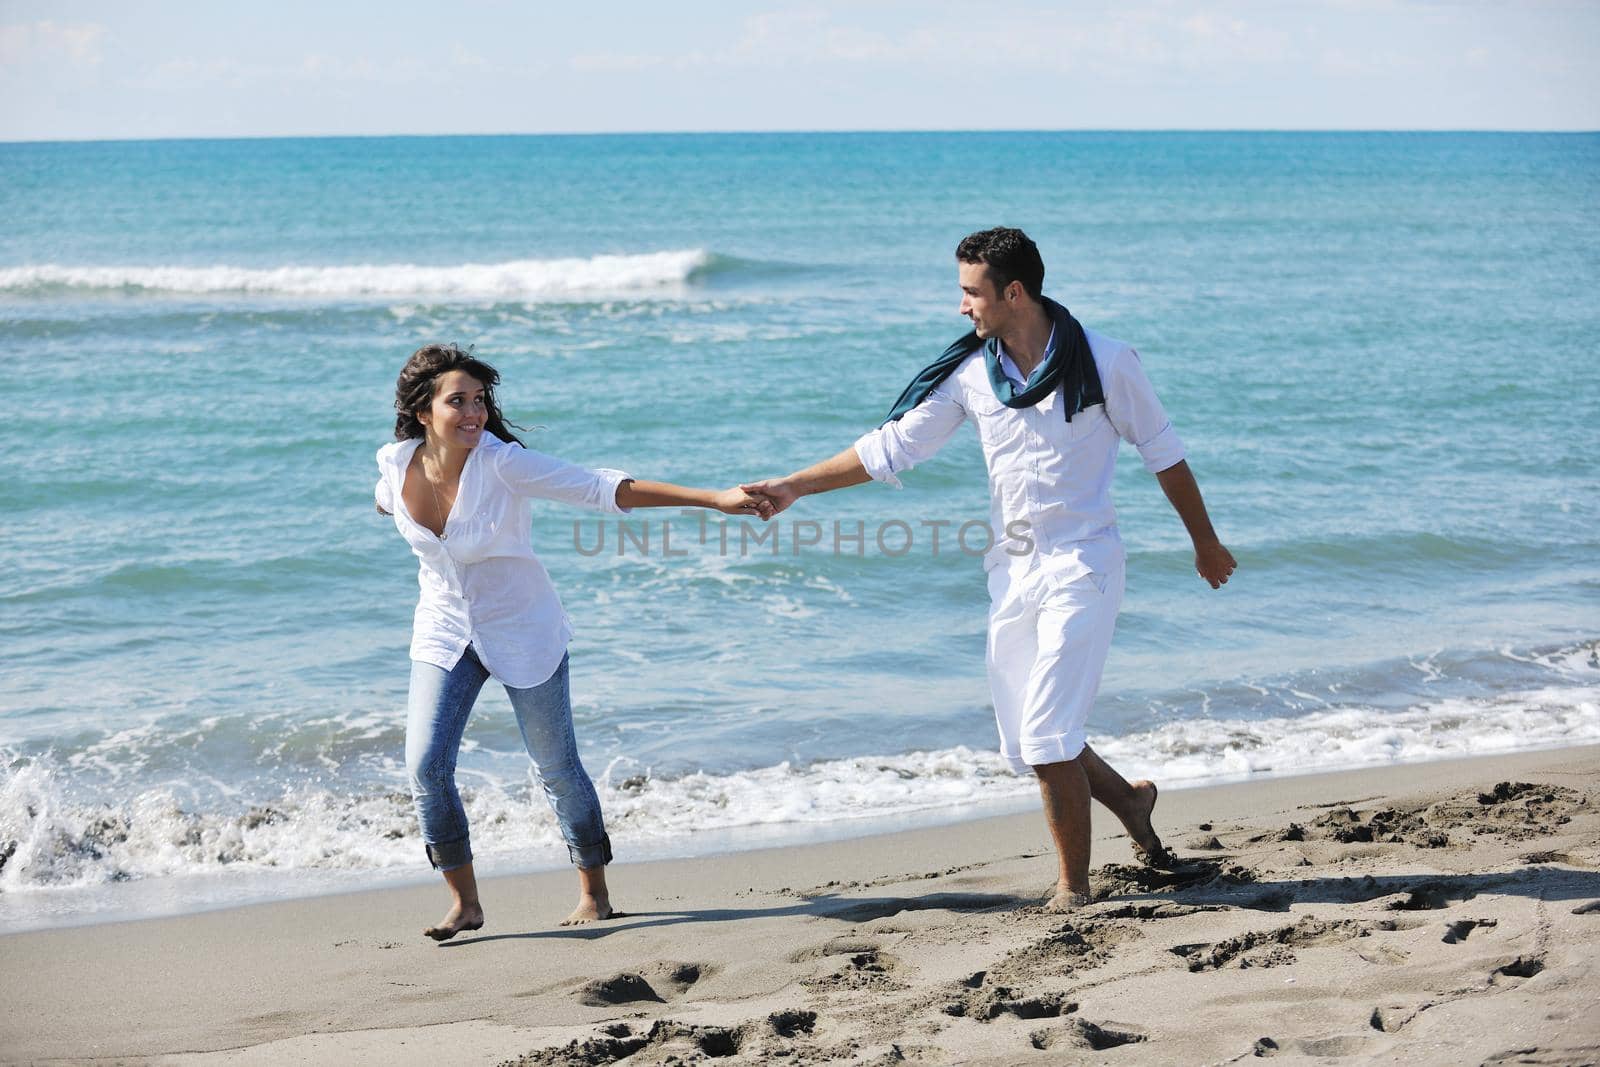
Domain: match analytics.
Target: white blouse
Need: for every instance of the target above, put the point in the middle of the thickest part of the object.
(481, 583)
(1049, 475)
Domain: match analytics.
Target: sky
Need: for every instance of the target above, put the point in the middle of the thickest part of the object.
(96, 70)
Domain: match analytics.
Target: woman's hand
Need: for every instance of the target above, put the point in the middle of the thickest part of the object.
(779, 492)
(738, 502)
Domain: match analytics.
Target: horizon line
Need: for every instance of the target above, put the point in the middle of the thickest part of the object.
(929, 131)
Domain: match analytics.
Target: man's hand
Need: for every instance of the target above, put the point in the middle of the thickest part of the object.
(1213, 563)
(835, 472)
(777, 493)
(739, 502)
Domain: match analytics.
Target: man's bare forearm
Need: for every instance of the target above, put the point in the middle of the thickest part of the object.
(1212, 561)
(836, 472)
(1183, 493)
(833, 473)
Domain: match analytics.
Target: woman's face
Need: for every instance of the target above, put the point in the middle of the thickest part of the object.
(459, 410)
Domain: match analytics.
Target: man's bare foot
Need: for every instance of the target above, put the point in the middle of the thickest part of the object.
(456, 920)
(1066, 900)
(591, 908)
(1146, 845)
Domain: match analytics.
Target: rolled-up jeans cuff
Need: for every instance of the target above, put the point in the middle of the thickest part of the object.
(591, 856)
(448, 855)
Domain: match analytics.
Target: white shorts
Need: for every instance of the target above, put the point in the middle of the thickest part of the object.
(1048, 640)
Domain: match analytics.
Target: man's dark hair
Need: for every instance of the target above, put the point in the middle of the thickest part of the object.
(1010, 256)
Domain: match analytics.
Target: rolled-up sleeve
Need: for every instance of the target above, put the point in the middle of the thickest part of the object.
(383, 492)
(916, 436)
(1137, 414)
(534, 474)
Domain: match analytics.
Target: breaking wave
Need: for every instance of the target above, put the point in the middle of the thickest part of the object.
(640, 273)
(49, 839)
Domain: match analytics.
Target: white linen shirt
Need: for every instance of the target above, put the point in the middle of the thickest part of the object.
(1053, 475)
(482, 584)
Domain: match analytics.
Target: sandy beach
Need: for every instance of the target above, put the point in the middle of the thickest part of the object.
(1440, 913)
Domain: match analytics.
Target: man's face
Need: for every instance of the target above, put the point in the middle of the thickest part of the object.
(989, 311)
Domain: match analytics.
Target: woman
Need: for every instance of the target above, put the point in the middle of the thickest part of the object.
(457, 483)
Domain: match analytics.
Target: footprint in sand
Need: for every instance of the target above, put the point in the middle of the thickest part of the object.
(1268, 948)
(1391, 1019)
(1332, 1047)
(1521, 967)
(1461, 929)
(618, 989)
(666, 981)
(861, 970)
(1082, 1033)
(844, 945)
(990, 1003)
(778, 1036)
(1431, 896)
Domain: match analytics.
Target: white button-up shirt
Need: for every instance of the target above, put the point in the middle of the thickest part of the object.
(482, 584)
(1052, 476)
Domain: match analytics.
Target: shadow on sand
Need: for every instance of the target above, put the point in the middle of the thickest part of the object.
(1193, 881)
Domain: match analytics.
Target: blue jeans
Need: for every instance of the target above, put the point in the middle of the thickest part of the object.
(436, 716)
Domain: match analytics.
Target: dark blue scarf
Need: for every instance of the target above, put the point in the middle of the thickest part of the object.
(1068, 363)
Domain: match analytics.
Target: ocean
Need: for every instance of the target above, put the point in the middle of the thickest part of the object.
(1378, 349)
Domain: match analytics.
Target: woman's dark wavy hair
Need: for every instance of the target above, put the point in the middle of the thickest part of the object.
(413, 392)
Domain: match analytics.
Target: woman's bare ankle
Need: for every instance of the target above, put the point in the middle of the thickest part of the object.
(592, 907)
(462, 916)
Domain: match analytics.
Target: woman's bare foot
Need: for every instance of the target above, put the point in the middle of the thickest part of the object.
(1066, 900)
(459, 918)
(591, 908)
(1146, 845)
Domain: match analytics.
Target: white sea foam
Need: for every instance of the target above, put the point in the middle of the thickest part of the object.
(522, 278)
(49, 842)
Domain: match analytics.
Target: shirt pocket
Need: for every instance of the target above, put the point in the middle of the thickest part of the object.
(991, 417)
(1088, 423)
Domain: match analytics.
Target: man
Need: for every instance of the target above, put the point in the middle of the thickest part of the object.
(1050, 401)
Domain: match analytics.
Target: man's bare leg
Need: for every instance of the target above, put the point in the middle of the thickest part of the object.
(594, 900)
(1131, 803)
(1064, 788)
(465, 913)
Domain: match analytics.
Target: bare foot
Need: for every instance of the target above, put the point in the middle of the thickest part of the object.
(591, 908)
(459, 918)
(1066, 900)
(1147, 847)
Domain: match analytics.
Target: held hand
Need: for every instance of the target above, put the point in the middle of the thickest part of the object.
(778, 493)
(739, 502)
(1214, 563)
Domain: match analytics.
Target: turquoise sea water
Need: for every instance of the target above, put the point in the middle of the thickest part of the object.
(1378, 349)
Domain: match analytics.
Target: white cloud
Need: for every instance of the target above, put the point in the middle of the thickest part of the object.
(1118, 39)
(779, 37)
(1234, 40)
(466, 58)
(613, 62)
(77, 43)
(188, 73)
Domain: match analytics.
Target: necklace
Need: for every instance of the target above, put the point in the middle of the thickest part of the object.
(438, 505)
